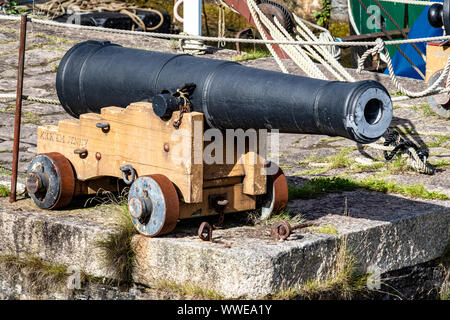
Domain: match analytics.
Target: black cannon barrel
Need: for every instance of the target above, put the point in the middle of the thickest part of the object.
(96, 74)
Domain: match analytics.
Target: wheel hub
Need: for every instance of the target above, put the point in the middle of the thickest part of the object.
(140, 208)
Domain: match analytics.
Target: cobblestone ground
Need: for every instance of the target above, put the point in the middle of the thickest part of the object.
(301, 156)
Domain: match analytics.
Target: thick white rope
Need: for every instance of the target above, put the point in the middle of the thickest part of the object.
(325, 53)
(263, 35)
(315, 55)
(297, 55)
(303, 60)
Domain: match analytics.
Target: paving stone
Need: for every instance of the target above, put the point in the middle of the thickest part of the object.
(7, 85)
(43, 109)
(8, 146)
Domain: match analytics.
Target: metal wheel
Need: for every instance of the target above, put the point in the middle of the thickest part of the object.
(154, 205)
(274, 9)
(50, 180)
(440, 103)
(276, 198)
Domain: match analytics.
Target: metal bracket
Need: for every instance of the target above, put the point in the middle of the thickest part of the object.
(126, 171)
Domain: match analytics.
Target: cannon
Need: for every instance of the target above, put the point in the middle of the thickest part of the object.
(149, 119)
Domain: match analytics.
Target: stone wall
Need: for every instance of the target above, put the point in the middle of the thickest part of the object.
(339, 11)
(306, 8)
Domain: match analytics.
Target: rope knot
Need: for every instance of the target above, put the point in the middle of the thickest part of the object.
(378, 48)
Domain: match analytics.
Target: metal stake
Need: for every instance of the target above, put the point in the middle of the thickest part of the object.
(18, 115)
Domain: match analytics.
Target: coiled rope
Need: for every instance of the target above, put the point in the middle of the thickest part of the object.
(393, 144)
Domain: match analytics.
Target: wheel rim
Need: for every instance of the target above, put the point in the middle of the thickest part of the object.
(154, 205)
(50, 181)
(277, 194)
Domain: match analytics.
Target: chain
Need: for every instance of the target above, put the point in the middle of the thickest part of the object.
(184, 94)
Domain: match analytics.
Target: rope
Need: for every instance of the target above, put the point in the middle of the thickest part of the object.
(390, 38)
(380, 48)
(30, 98)
(317, 56)
(263, 35)
(418, 159)
(325, 53)
(299, 56)
(221, 25)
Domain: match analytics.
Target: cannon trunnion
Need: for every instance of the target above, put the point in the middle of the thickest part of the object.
(143, 120)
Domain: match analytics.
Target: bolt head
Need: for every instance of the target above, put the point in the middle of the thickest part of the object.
(33, 182)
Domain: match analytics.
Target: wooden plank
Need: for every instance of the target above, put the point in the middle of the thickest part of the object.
(254, 181)
(249, 165)
(436, 59)
(375, 35)
(238, 201)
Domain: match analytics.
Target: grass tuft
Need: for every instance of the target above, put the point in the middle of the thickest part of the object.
(398, 165)
(329, 229)
(117, 254)
(318, 187)
(31, 117)
(425, 109)
(444, 292)
(4, 191)
(287, 215)
(4, 172)
(336, 161)
(438, 140)
(252, 55)
(441, 164)
(321, 186)
(413, 190)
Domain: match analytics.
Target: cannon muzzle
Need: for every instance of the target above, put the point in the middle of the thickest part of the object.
(96, 74)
